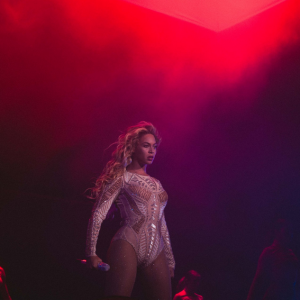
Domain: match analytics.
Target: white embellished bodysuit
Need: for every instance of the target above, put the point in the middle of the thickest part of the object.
(141, 200)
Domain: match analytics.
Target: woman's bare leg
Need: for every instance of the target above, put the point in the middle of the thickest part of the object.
(123, 266)
(157, 280)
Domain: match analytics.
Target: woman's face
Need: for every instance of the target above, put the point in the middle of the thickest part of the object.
(145, 150)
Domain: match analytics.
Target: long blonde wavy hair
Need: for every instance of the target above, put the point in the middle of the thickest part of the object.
(122, 156)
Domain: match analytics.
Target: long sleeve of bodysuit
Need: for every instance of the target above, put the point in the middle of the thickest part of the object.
(99, 213)
(167, 243)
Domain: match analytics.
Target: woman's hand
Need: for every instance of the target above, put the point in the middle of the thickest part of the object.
(93, 261)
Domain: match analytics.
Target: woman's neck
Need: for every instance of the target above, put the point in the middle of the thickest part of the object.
(135, 167)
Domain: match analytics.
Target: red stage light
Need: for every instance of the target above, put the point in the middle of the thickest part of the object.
(216, 15)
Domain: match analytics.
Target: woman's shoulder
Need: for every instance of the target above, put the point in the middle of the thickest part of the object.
(132, 175)
(155, 179)
(115, 183)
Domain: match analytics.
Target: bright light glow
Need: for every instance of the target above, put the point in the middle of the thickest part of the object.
(216, 15)
(147, 43)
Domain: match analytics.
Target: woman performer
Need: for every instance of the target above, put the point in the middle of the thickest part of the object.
(143, 240)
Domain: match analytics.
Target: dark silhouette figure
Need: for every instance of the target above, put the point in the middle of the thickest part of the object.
(187, 287)
(277, 270)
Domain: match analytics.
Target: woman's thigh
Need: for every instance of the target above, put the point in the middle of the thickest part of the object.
(123, 266)
(157, 280)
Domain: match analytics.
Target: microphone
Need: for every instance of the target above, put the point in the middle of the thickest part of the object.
(101, 266)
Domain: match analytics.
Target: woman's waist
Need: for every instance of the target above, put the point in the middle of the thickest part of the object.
(129, 233)
(141, 221)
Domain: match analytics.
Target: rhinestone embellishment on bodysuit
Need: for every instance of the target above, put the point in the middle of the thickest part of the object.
(163, 197)
(140, 192)
(151, 183)
(152, 227)
(141, 201)
(117, 185)
(137, 226)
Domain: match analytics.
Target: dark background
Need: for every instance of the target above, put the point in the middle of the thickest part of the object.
(73, 75)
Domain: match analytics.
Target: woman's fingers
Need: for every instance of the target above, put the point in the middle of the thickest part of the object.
(96, 262)
(93, 261)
